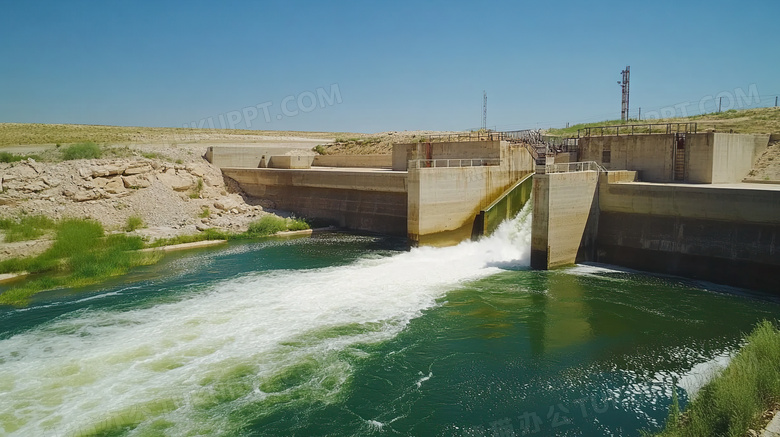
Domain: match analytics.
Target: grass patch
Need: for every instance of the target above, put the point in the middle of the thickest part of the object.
(25, 227)
(87, 150)
(734, 401)
(134, 222)
(208, 234)
(10, 157)
(268, 225)
(205, 212)
(754, 120)
(81, 255)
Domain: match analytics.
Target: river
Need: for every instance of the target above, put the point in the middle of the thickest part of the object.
(350, 335)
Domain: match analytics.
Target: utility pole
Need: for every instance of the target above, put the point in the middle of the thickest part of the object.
(484, 111)
(624, 84)
(775, 101)
(640, 113)
(719, 103)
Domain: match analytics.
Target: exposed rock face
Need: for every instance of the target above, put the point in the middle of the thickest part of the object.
(167, 196)
(176, 179)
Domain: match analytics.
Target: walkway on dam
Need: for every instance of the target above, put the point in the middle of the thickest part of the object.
(349, 169)
(737, 186)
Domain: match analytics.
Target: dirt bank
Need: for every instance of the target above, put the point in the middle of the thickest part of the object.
(172, 189)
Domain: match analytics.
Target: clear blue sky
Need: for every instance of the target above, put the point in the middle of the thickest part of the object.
(402, 65)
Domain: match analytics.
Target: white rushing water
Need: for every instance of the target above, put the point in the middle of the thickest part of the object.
(182, 366)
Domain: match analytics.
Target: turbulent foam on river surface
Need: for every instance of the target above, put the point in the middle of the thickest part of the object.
(250, 343)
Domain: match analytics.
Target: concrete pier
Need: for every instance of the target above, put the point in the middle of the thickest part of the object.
(565, 218)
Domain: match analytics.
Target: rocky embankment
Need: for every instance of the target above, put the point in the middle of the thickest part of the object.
(171, 198)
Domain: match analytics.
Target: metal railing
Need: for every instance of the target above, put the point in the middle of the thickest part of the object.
(443, 163)
(463, 136)
(570, 167)
(525, 135)
(638, 129)
(532, 136)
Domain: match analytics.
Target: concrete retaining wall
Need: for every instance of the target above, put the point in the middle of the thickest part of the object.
(709, 157)
(368, 201)
(724, 235)
(236, 156)
(734, 156)
(651, 155)
(565, 218)
(354, 161)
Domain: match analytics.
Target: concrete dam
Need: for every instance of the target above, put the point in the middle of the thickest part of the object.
(671, 202)
(431, 192)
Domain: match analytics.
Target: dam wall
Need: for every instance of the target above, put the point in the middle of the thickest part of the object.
(435, 202)
(369, 201)
(724, 234)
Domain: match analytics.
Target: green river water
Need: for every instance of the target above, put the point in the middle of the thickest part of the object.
(346, 335)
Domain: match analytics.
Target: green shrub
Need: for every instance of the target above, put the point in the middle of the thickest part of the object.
(205, 212)
(319, 149)
(134, 222)
(268, 225)
(298, 225)
(82, 151)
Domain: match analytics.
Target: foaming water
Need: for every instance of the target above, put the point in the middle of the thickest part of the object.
(251, 343)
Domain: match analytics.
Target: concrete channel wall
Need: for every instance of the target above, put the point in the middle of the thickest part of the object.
(508, 204)
(371, 201)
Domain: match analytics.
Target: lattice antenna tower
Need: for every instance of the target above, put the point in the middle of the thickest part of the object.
(484, 110)
(624, 100)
